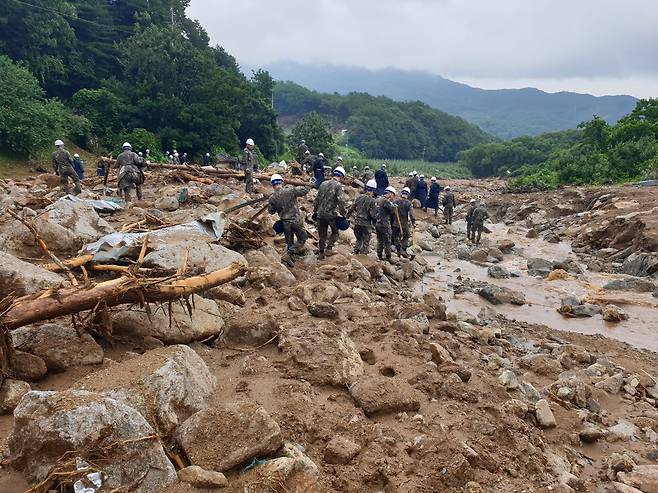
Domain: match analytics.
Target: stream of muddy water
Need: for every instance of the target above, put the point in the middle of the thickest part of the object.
(543, 296)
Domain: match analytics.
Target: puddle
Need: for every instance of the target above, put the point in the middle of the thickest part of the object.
(543, 296)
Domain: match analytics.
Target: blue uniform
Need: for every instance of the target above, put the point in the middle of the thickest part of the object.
(433, 197)
(382, 181)
(421, 193)
(318, 172)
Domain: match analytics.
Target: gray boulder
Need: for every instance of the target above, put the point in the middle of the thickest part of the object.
(48, 424)
(207, 257)
(539, 267)
(498, 272)
(382, 395)
(21, 278)
(571, 306)
(498, 295)
(249, 328)
(11, 392)
(640, 264)
(631, 284)
(79, 218)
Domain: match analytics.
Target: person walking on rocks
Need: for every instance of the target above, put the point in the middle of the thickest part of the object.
(469, 218)
(329, 205)
(433, 196)
(421, 192)
(130, 172)
(448, 205)
(400, 224)
(410, 183)
(382, 180)
(318, 170)
(364, 209)
(206, 159)
(302, 150)
(386, 214)
(250, 160)
(367, 175)
(480, 214)
(283, 202)
(308, 162)
(64, 168)
(78, 166)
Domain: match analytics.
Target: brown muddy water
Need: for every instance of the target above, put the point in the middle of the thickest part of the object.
(543, 296)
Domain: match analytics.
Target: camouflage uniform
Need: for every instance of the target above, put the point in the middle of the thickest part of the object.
(385, 214)
(250, 165)
(130, 173)
(301, 153)
(480, 214)
(411, 185)
(469, 220)
(308, 162)
(329, 201)
(367, 175)
(284, 203)
(405, 213)
(63, 164)
(448, 206)
(365, 211)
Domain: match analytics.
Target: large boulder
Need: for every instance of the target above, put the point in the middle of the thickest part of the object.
(21, 278)
(539, 267)
(268, 270)
(167, 385)
(224, 437)
(381, 395)
(11, 392)
(249, 328)
(60, 347)
(207, 257)
(48, 424)
(322, 354)
(640, 264)
(78, 217)
(498, 295)
(205, 321)
(631, 284)
(643, 477)
(16, 238)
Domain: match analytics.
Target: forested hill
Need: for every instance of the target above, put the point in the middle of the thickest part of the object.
(381, 127)
(104, 71)
(505, 113)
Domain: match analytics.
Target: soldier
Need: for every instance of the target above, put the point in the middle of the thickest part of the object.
(206, 159)
(339, 162)
(147, 154)
(365, 210)
(355, 172)
(63, 165)
(309, 161)
(130, 172)
(329, 203)
(367, 175)
(421, 192)
(78, 166)
(480, 214)
(382, 180)
(469, 218)
(284, 203)
(410, 183)
(386, 210)
(176, 159)
(400, 224)
(433, 196)
(448, 205)
(301, 151)
(318, 170)
(250, 162)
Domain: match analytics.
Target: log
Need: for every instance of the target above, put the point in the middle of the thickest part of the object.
(57, 303)
(71, 263)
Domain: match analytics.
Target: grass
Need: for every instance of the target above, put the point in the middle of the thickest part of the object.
(14, 165)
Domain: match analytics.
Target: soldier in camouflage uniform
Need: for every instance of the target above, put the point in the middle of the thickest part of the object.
(448, 205)
(250, 165)
(405, 213)
(301, 151)
(479, 216)
(284, 203)
(329, 202)
(386, 210)
(367, 175)
(63, 165)
(472, 205)
(309, 161)
(130, 172)
(365, 211)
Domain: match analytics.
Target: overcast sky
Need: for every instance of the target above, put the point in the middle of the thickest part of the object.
(594, 46)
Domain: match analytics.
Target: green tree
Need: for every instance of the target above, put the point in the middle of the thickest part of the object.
(315, 130)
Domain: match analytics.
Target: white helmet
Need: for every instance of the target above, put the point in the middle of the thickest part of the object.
(339, 171)
(76, 155)
(390, 190)
(307, 152)
(59, 143)
(367, 167)
(320, 155)
(433, 178)
(140, 154)
(250, 142)
(207, 154)
(448, 187)
(472, 201)
(303, 141)
(405, 191)
(371, 185)
(148, 150)
(126, 145)
(175, 153)
(276, 179)
(415, 173)
(339, 159)
(411, 173)
(383, 165)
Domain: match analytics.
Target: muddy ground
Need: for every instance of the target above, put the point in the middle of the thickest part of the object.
(404, 378)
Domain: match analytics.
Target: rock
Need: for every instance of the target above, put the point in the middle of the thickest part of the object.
(440, 354)
(340, 450)
(11, 392)
(532, 233)
(498, 295)
(382, 395)
(623, 430)
(590, 433)
(544, 415)
(20, 278)
(227, 293)
(631, 284)
(437, 305)
(479, 255)
(167, 203)
(60, 347)
(612, 313)
(206, 321)
(643, 477)
(418, 324)
(16, 238)
(618, 463)
(640, 264)
(201, 478)
(495, 253)
(508, 380)
(78, 217)
(322, 353)
(539, 267)
(323, 310)
(498, 272)
(48, 424)
(223, 437)
(541, 364)
(206, 257)
(506, 246)
(268, 271)
(515, 407)
(571, 306)
(611, 384)
(463, 252)
(166, 385)
(28, 367)
(622, 488)
(249, 328)
(294, 471)
(530, 391)
(317, 292)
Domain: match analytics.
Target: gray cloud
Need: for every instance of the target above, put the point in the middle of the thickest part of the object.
(503, 40)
